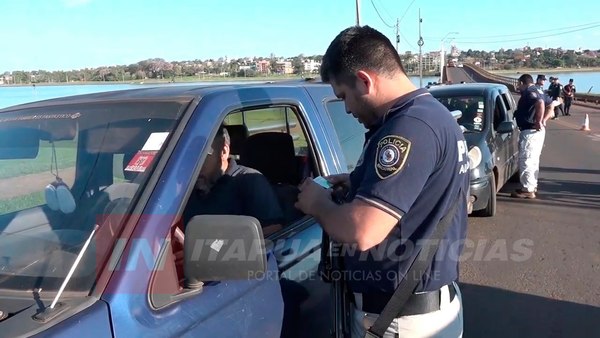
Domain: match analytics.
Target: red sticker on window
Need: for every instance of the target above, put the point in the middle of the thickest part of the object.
(141, 161)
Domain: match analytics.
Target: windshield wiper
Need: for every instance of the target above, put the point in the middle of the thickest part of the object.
(52, 311)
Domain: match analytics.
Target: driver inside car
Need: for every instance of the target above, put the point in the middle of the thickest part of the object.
(227, 188)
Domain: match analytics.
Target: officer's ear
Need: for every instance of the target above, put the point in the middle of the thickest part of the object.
(365, 82)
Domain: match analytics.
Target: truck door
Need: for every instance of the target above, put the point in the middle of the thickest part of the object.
(148, 298)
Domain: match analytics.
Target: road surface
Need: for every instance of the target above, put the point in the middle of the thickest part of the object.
(555, 291)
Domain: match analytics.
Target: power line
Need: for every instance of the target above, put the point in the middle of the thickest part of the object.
(385, 10)
(377, 11)
(529, 38)
(526, 33)
(406, 11)
(407, 41)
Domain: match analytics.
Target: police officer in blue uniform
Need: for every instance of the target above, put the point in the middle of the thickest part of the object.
(531, 117)
(414, 166)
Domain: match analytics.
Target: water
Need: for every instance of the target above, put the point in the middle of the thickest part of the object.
(584, 81)
(10, 96)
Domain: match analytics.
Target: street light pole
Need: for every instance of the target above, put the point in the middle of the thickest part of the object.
(420, 43)
(443, 55)
(357, 12)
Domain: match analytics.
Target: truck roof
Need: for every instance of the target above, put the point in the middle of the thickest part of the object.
(466, 88)
(189, 91)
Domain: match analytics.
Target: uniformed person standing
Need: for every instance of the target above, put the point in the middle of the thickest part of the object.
(414, 166)
(539, 83)
(569, 94)
(555, 92)
(531, 116)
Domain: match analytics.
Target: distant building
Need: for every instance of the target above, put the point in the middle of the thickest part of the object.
(6, 79)
(311, 66)
(263, 66)
(284, 67)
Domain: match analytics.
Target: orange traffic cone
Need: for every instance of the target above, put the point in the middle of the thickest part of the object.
(586, 124)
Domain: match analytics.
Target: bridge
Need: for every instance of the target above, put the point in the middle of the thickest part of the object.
(472, 73)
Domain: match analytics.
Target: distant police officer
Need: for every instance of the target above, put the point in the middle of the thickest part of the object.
(569, 94)
(539, 83)
(555, 92)
(414, 166)
(531, 117)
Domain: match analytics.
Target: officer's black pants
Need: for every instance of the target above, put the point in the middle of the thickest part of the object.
(568, 102)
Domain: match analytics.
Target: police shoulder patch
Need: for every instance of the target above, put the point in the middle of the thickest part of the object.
(392, 151)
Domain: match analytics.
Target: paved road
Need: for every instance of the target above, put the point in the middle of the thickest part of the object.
(534, 270)
(457, 75)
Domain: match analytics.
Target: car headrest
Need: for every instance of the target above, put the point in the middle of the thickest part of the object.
(272, 154)
(238, 134)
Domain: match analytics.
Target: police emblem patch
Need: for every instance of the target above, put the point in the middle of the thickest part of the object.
(392, 152)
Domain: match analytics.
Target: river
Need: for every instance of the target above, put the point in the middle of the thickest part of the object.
(12, 95)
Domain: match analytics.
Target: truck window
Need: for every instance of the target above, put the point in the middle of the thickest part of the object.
(499, 112)
(349, 131)
(279, 119)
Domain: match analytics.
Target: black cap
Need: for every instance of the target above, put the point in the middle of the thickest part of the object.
(570, 80)
(542, 77)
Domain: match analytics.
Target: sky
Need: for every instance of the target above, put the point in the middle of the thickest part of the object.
(74, 34)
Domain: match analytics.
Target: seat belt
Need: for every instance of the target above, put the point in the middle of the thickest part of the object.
(407, 286)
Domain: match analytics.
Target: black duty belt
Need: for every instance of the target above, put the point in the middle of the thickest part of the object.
(417, 304)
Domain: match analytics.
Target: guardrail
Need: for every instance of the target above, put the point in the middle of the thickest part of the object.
(481, 75)
(587, 98)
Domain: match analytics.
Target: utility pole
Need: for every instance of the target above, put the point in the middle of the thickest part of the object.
(420, 43)
(443, 55)
(397, 34)
(357, 12)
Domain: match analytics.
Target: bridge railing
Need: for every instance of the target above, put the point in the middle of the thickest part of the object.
(481, 75)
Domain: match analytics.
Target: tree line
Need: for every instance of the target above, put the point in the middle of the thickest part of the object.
(158, 68)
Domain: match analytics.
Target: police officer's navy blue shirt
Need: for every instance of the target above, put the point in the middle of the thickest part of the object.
(525, 114)
(414, 166)
(240, 191)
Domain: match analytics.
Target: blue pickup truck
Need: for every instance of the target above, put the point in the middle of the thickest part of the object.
(92, 191)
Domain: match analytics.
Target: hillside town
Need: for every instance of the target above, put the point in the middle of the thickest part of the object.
(301, 65)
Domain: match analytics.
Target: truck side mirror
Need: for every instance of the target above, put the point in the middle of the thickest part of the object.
(223, 247)
(505, 127)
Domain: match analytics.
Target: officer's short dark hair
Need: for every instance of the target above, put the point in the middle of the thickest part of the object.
(526, 79)
(357, 48)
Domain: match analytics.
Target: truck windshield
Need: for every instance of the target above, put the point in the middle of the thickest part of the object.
(65, 170)
(472, 108)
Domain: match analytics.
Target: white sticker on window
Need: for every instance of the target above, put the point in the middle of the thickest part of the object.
(155, 141)
(480, 103)
(217, 245)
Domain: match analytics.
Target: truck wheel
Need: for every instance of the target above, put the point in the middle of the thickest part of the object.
(490, 209)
